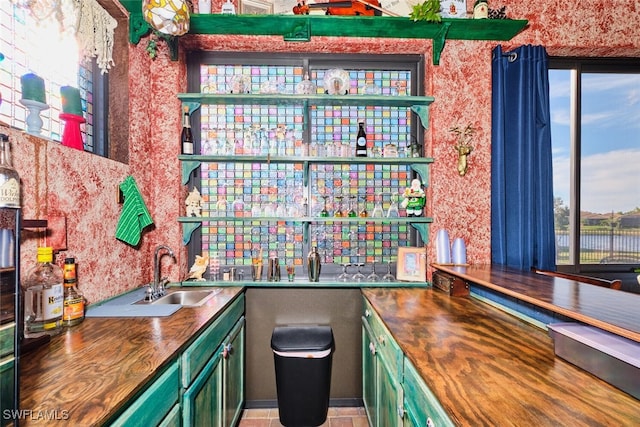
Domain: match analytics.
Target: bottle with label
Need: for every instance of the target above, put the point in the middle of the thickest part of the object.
(43, 297)
(9, 179)
(361, 141)
(187, 135)
(73, 305)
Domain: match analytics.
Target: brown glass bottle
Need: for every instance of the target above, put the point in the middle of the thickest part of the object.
(73, 303)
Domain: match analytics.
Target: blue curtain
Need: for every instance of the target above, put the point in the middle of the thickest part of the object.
(522, 233)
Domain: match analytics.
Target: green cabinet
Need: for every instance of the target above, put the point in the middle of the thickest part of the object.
(213, 372)
(155, 404)
(382, 372)
(233, 374)
(420, 405)
(393, 391)
(204, 386)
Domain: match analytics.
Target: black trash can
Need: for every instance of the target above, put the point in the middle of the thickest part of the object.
(303, 356)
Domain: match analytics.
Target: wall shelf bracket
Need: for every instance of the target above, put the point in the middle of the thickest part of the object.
(301, 32)
(188, 166)
(438, 42)
(187, 230)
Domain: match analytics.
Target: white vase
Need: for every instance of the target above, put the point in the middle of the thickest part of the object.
(204, 6)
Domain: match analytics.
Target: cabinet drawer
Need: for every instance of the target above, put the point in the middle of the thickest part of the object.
(196, 356)
(151, 407)
(384, 342)
(420, 402)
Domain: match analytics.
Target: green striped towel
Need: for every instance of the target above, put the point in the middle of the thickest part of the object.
(134, 216)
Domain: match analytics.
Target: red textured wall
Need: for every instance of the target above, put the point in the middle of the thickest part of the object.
(83, 186)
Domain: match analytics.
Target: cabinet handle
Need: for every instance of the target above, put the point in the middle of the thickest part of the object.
(430, 422)
(367, 313)
(401, 411)
(372, 348)
(381, 339)
(226, 350)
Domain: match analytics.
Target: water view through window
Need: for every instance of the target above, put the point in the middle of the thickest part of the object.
(596, 152)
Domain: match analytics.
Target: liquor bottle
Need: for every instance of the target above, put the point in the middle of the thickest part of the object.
(9, 179)
(43, 297)
(361, 141)
(73, 305)
(187, 136)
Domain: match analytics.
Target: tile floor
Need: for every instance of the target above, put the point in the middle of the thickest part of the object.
(337, 417)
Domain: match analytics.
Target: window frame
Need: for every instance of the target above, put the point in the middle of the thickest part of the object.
(580, 66)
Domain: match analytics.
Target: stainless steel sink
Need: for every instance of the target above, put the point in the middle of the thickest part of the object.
(187, 298)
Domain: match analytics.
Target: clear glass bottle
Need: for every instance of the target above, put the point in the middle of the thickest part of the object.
(9, 178)
(43, 297)
(73, 305)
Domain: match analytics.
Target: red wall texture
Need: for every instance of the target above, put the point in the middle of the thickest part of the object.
(58, 180)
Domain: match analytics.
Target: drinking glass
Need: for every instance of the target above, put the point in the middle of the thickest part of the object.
(377, 209)
(344, 276)
(388, 277)
(362, 211)
(359, 277)
(373, 277)
(338, 209)
(352, 208)
(393, 211)
(324, 212)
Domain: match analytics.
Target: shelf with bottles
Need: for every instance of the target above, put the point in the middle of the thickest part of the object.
(190, 224)
(190, 163)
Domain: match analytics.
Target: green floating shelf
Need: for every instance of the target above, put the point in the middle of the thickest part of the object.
(190, 224)
(300, 28)
(191, 162)
(418, 104)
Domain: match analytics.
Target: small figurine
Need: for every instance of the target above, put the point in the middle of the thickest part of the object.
(414, 199)
(198, 268)
(194, 203)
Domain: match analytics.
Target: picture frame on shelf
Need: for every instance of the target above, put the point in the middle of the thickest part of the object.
(255, 7)
(412, 264)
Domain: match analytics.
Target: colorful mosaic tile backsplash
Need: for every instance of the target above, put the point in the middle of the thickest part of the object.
(266, 191)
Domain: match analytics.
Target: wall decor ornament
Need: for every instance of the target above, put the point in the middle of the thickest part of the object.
(167, 16)
(463, 147)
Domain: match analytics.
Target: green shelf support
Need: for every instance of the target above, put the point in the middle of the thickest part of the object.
(187, 230)
(138, 27)
(423, 229)
(193, 106)
(422, 111)
(438, 42)
(301, 32)
(189, 166)
(422, 169)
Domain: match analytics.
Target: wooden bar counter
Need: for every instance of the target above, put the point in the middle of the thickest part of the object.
(489, 368)
(612, 310)
(85, 375)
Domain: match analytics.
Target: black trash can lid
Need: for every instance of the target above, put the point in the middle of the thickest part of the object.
(302, 338)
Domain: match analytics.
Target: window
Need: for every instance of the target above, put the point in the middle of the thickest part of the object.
(48, 48)
(595, 115)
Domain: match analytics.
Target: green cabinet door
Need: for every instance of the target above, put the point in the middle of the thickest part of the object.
(369, 374)
(233, 374)
(389, 396)
(202, 401)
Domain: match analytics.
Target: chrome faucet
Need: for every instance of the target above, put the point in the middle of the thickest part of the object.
(157, 287)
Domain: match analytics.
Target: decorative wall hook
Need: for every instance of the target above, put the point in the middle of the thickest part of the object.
(463, 147)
